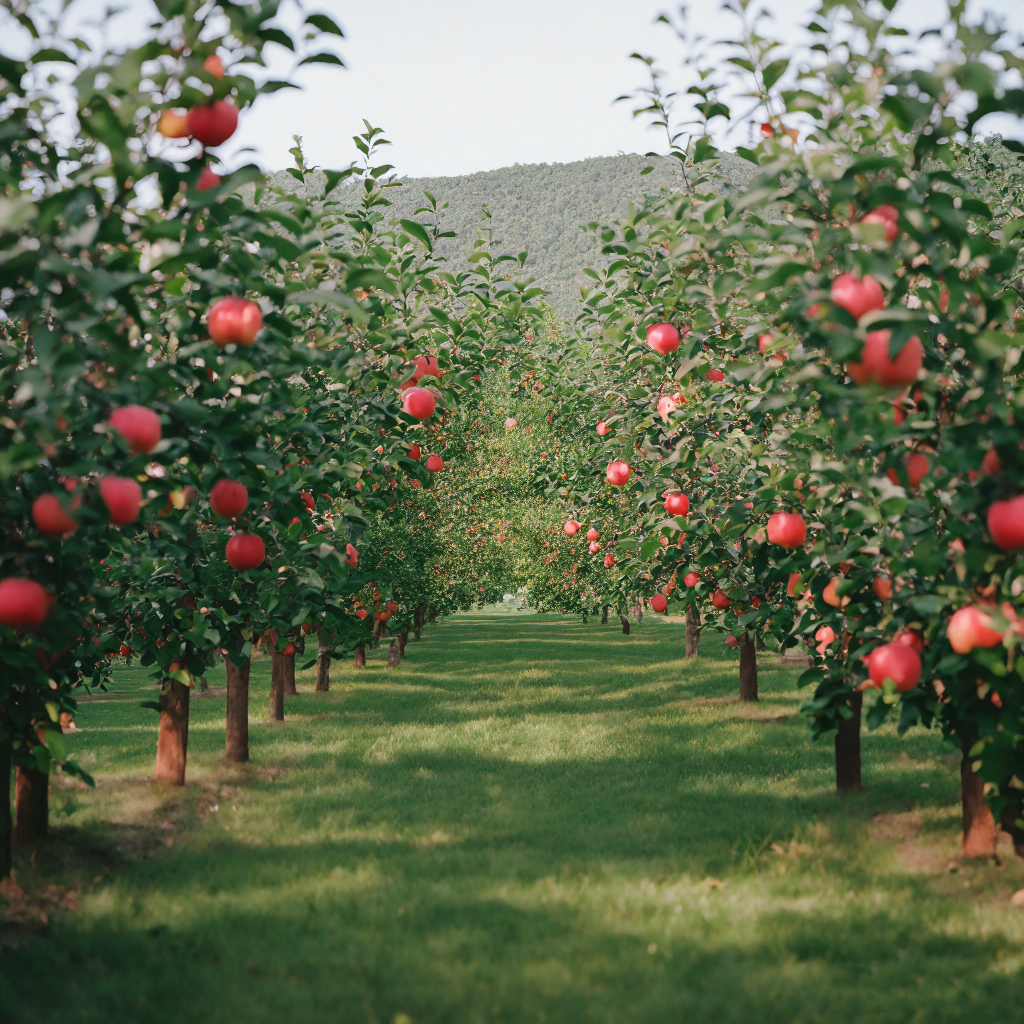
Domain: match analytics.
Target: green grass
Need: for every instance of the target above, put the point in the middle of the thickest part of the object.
(531, 820)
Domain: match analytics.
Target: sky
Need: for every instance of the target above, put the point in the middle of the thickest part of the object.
(471, 85)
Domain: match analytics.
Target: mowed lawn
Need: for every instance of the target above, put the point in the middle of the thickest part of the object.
(531, 820)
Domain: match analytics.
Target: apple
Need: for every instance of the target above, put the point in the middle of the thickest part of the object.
(382, 616)
(910, 638)
(361, 613)
(659, 603)
(609, 560)
(351, 556)
(720, 599)
(663, 338)
(207, 179)
(245, 551)
(594, 547)
(1006, 523)
(824, 636)
(214, 66)
(418, 403)
(888, 217)
(732, 641)
(991, 464)
(228, 498)
(917, 466)
(423, 366)
(414, 452)
(618, 473)
(414, 484)
(125, 651)
(213, 124)
(172, 125)
(857, 297)
(234, 321)
(829, 595)
(603, 428)
(875, 366)
(677, 504)
(308, 500)
(139, 426)
(123, 498)
(289, 649)
(794, 579)
(787, 529)
(571, 527)
(50, 518)
(24, 604)
(592, 534)
(898, 662)
(715, 375)
(435, 463)
(666, 405)
(882, 588)
(391, 606)
(510, 422)
(691, 579)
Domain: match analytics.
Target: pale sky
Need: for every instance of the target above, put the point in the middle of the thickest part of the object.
(471, 85)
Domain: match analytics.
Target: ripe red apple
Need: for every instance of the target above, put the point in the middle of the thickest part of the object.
(50, 518)
(24, 604)
(207, 179)
(214, 65)
(829, 595)
(571, 527)
(361, 613)
(214, 124)
(857, 297)
(787, 529)
(510, 422)
(720, 600)
(609, 560)
(667, 404)
(910, 638)
(659, 603)
(663, 338)
(882, 588)
(732, 641)
(245, 551)
(139, 426)
(234, 321)
(1006, 523)
(123, 498)
(125, 651)
(592, 534)
(618, 473)
(308, 500)
(888, 217)
(435, 463)
(898, 662)
(351, 556)
(991, 464)
(715, 375)
(418, 403)
(594, 547)
(603, 428)
(691, 579)
(794, 579)
(414, 484)
(289, 649)
(824, 636)
(677, 504)
(414, 452)
(917, 466)
(423, 366)
(382, 616)
(875, 366)
(228, 498)
(172, 125)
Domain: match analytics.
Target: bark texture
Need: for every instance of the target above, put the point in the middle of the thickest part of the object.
(625, 624)
(418, 617)
(31, 805)
(604, 615)
(748, 668)
(6, 819)
(848, 748)
(693, 626)
(172, 739)
(323, 661)
(394, 655)
(979, 838)
(359, 660)
(278, 676)
(236, 744)
(403, 639)
(289, 675)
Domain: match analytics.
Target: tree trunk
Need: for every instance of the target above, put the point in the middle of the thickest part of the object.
(625, 624)
(6, 821)
(394, 655)
(403, 639)
(278, 673)
(289, 675)
(604, 615)
(431, 615)
(692, 631)
(421, 611)
(638, 612)
(378, 630)
(31, 805)
(236, 745)
(848, 748)
(323, 662)
(359, 661)
(979, 825)
(1010, 814)
(172, 739)
(748, 668)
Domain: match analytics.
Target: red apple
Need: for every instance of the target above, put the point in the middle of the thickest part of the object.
(1006, 523)
(24, 604)
(351, 556)
(659, 603)
(787, 529)
(910, 638)
(308, 500)
(289, 649)
(602, 428)
(592, 534)
(123, 498)
(207, 179)
(829, 595)
(571, 527)
(172, 125)
(139, 426)
(691, 579)
(715, 375)
(677, 504)
(732, 641)
(362, 613)
(666, 405)
(435, 463)
(418, 403)
(228, 498)
(663, 338)
(245, 551)
(794, 579)
(888, 217)
(423, 366)
(609, 560)
(720, 600)
(917, 468)
(414, 484)
(234, 321)
(824, 636)
(618, 473)
(898, 662)
(414, 452)
(50, 518)
(882, 588)
(594, 547)
(382, 616)
(214, 65)
(875, 366)
(510, 422)
(857, 297)
(991, 464)
(213, 124)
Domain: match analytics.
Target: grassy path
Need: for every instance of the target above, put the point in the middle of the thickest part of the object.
(531, 820)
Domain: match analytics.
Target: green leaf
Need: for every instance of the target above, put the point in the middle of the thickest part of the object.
(323, 58)
(417, 230)
(325, 24)
(774, 71)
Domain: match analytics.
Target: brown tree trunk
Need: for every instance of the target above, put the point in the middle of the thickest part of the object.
(693, 626)
(979, 826)
(31, 805)
(848, 748)
(638, 612)
(394, 655)
(748, 668)
(172, 739)
(289, 675)
(378, 630)
(236, 745)
(625, 624)
(359, 661)
(432, 615)
(278, 673)
(421, 611)
(604, 615)
(323, 662)
(6, 820)
(403, 639)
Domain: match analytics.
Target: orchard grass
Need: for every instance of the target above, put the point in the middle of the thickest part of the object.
(531, 820)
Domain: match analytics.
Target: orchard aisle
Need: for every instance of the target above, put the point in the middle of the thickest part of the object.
(530, 820)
